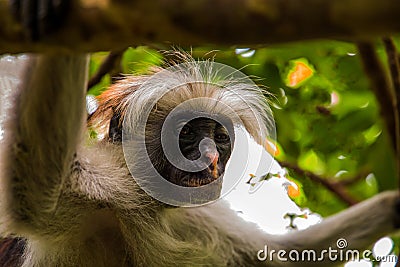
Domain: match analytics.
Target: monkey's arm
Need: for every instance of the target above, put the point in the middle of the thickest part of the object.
(41, 137)
(360, 226)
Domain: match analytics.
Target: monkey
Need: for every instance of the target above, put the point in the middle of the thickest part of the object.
(66, 201)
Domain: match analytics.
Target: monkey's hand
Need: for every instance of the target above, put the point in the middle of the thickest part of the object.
(39, 17)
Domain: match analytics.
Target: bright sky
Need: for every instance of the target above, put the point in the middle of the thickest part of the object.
(260, 205)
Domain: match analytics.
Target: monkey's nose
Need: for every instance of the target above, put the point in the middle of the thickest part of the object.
(213, 157)
(213, 167)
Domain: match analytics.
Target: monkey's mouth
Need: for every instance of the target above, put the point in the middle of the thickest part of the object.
(196, 179)
(204, 177)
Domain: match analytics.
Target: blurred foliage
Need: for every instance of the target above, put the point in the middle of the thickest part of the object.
(96, 60)
(327, 118)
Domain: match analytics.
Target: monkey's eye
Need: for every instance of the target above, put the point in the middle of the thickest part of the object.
(186, 130)
(221, 137)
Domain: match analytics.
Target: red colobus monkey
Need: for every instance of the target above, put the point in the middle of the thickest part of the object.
(67, 202)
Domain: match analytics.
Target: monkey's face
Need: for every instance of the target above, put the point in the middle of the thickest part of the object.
(205, 143)
(216, 149)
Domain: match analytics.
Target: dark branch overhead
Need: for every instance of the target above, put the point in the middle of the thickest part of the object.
(104, 25)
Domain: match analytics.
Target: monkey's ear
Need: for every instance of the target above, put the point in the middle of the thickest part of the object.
(115, 130)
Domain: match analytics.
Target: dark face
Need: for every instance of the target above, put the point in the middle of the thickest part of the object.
(216, 147)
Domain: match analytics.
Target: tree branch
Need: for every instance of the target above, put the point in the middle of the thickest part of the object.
(394, 67)
(336, 188)
(96, 25)
(381, 87)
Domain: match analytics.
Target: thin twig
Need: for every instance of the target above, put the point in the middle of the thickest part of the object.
(335, 188)
(352, 180)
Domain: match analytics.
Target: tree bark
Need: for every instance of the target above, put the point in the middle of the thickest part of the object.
(95, 25)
